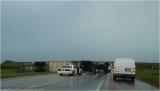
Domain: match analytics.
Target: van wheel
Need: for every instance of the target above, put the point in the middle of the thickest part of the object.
(132, 79)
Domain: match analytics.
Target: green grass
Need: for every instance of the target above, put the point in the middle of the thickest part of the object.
(147, 74)
(9, 73)
(9, 64)
(10, 69)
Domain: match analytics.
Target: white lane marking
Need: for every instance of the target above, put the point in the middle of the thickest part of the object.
(100, 85)
(41, 84)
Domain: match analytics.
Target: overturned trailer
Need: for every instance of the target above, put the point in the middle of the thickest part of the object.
(26, 66)
(41, 66)
(102, 67)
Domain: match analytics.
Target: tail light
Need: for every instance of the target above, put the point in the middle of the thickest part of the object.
(134, 69)
(113, 69)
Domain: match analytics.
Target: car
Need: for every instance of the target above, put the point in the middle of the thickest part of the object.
(124, 68)
(69, 69)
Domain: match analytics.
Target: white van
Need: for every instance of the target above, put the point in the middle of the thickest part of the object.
(124, 68)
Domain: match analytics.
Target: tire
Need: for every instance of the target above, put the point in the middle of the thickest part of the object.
(61, 74)
(80, 73)
(114, 78)
(132, 79)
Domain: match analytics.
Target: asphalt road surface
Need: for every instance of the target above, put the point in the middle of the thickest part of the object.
(86, 81)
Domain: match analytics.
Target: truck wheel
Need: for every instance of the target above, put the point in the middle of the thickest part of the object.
(114, 78)
(80, 73)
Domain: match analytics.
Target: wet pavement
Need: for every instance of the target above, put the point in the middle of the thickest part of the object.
(85, 81)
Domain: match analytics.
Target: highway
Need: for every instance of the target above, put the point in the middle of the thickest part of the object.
(86, 81)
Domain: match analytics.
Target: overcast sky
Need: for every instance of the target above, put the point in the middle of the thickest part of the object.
(38, 30)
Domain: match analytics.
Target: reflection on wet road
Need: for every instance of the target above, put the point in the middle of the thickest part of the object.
(84, 82)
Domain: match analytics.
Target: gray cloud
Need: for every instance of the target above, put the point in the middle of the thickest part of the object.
(80, 30)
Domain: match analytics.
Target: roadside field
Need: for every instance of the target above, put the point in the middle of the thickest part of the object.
(9, 73)
(148, 72)
(11, 69)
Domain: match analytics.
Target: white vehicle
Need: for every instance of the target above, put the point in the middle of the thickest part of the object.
(124, 68)
(69, 69)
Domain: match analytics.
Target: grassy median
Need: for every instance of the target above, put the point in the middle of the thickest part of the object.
(146, 73)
